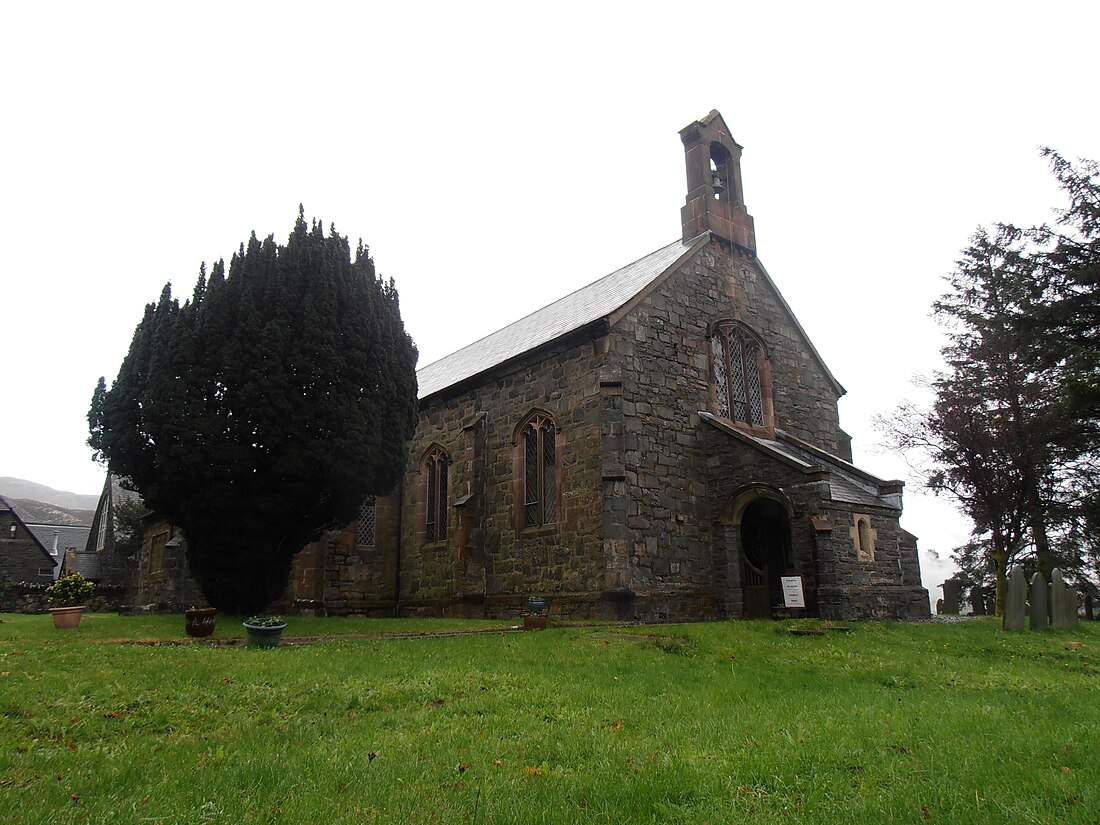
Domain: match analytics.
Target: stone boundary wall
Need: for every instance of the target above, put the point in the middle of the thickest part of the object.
(30, 597)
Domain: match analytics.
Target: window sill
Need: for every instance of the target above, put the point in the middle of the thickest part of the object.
(536, 532)
(752, 429)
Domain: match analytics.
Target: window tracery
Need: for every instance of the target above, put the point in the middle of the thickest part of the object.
(435, 511)
(538, 442)
(739, 373)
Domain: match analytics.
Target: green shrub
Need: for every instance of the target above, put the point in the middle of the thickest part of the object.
(70, 591)
(264, 621)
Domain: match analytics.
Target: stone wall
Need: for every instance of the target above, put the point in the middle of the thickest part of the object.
(165, 579)
(30, 597)
(885, 587)
(489, 565)
(350, 578)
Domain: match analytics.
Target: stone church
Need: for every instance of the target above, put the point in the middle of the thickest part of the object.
(663, 444)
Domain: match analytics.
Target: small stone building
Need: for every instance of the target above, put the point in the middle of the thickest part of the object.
(662, 444)
(23, 556)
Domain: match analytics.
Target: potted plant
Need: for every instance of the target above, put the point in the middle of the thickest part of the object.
(264, 631)
(535, 618)
(68, 595)
(199, 621)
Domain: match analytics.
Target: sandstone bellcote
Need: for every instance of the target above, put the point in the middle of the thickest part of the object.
(715, 198)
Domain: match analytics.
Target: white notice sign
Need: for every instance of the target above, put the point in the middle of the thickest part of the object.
(792, 591)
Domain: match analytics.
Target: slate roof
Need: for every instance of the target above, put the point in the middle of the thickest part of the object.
(67, 537)
(590, 303)
(847, 483)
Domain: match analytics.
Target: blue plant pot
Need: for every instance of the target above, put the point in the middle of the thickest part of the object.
(264, 636)
(536, 606)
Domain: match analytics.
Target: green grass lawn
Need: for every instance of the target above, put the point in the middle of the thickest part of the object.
(707, 723)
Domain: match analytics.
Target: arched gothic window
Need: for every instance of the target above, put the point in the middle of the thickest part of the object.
(538, 443)
(435, 496)
(738, 370)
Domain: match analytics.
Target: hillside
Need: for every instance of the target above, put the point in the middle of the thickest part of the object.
(21, 488)
(37, 512)
(39, 504)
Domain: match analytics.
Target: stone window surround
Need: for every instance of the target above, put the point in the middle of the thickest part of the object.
(863, 537)
(767, 429)
(435, 532)
(519, 468)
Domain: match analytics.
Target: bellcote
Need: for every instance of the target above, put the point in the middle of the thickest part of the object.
(715, 199)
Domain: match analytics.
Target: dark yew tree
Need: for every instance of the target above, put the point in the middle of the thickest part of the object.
(263, 410)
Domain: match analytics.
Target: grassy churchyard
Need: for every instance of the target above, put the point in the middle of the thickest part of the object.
(125, 720)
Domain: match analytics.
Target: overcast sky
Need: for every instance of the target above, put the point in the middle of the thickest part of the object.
(498, 156)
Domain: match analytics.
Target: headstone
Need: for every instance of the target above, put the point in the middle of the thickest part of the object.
(952, 597)
(1088, 607)
(1059, 595)
(1071, 606)
(1015, 600)
(977, 601)
(1040, 618)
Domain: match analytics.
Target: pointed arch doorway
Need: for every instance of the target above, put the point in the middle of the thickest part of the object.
(759, 553)
(765, 556)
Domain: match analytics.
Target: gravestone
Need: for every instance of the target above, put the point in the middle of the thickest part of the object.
(1015, 600)
(977, 601)
(1071, 607)
(1039, 614)
(1059, 595)
(952, 597)
(1088, 607)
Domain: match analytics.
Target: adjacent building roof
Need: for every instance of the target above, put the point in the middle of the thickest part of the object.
(590, 303)
(57, 538)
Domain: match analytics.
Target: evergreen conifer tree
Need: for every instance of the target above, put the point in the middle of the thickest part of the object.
(263, 410)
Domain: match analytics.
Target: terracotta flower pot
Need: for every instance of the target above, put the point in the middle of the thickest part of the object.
(200, 621)
(66, 618)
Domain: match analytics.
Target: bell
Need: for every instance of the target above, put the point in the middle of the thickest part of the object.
(718, 186)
